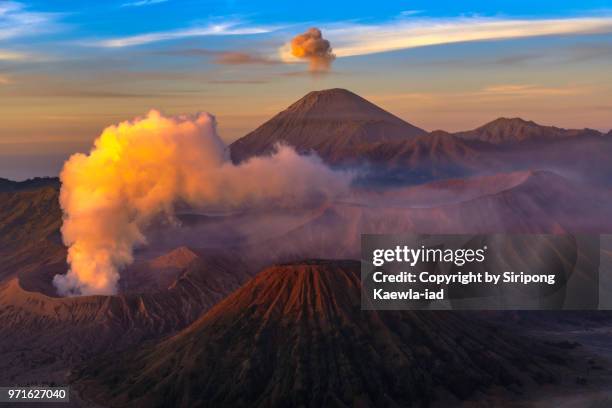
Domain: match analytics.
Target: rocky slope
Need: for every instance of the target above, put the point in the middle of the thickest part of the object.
(44, 336)
(295, 335)
(30, 241)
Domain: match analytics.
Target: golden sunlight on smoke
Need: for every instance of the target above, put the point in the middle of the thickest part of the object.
(138, 170)
(312, 47)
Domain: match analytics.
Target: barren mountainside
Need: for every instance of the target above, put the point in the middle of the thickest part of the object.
(47, 335)
(295, 335)
(30, 241)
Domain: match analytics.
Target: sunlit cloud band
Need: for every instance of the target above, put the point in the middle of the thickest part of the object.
(17, 21)
(210, 30)
(360, 39)
(12, 56)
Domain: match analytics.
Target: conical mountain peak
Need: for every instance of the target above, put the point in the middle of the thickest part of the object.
(327, 122)
(295, 335)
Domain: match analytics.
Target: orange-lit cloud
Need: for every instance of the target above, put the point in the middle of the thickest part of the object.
(312, 47)
(136, 172)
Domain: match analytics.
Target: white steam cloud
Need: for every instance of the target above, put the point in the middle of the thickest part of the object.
(139, 170)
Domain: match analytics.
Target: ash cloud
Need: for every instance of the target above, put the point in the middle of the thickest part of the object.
(140, 170)
(312, 47)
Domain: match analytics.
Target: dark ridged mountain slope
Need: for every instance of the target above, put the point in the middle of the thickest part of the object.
(30, 240)
(295, 335)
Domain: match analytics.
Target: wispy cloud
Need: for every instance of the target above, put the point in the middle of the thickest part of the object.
(142, 3)
(407, 13)
(231, 28)
(6, 55)
(243, 58)
(516, 59)
(362, 39)
(530, 90)
(17, 21)
(54, 91)
(225, 57)
(484, 95)
(238, 81)
(588, 52)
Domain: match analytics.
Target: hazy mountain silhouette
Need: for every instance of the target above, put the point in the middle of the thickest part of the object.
(514, 130)
(29, 184)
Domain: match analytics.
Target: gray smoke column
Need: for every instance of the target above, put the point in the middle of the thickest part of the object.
(311, 46)
(139, 170)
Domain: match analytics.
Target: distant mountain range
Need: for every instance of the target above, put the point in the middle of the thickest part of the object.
(516, 130)
(342, 127)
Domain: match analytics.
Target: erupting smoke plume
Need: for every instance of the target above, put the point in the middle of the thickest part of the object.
(138, 170)
(313, 47)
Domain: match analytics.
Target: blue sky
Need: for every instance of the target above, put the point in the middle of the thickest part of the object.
(68, 68)
(77, 20)
(102, 17)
